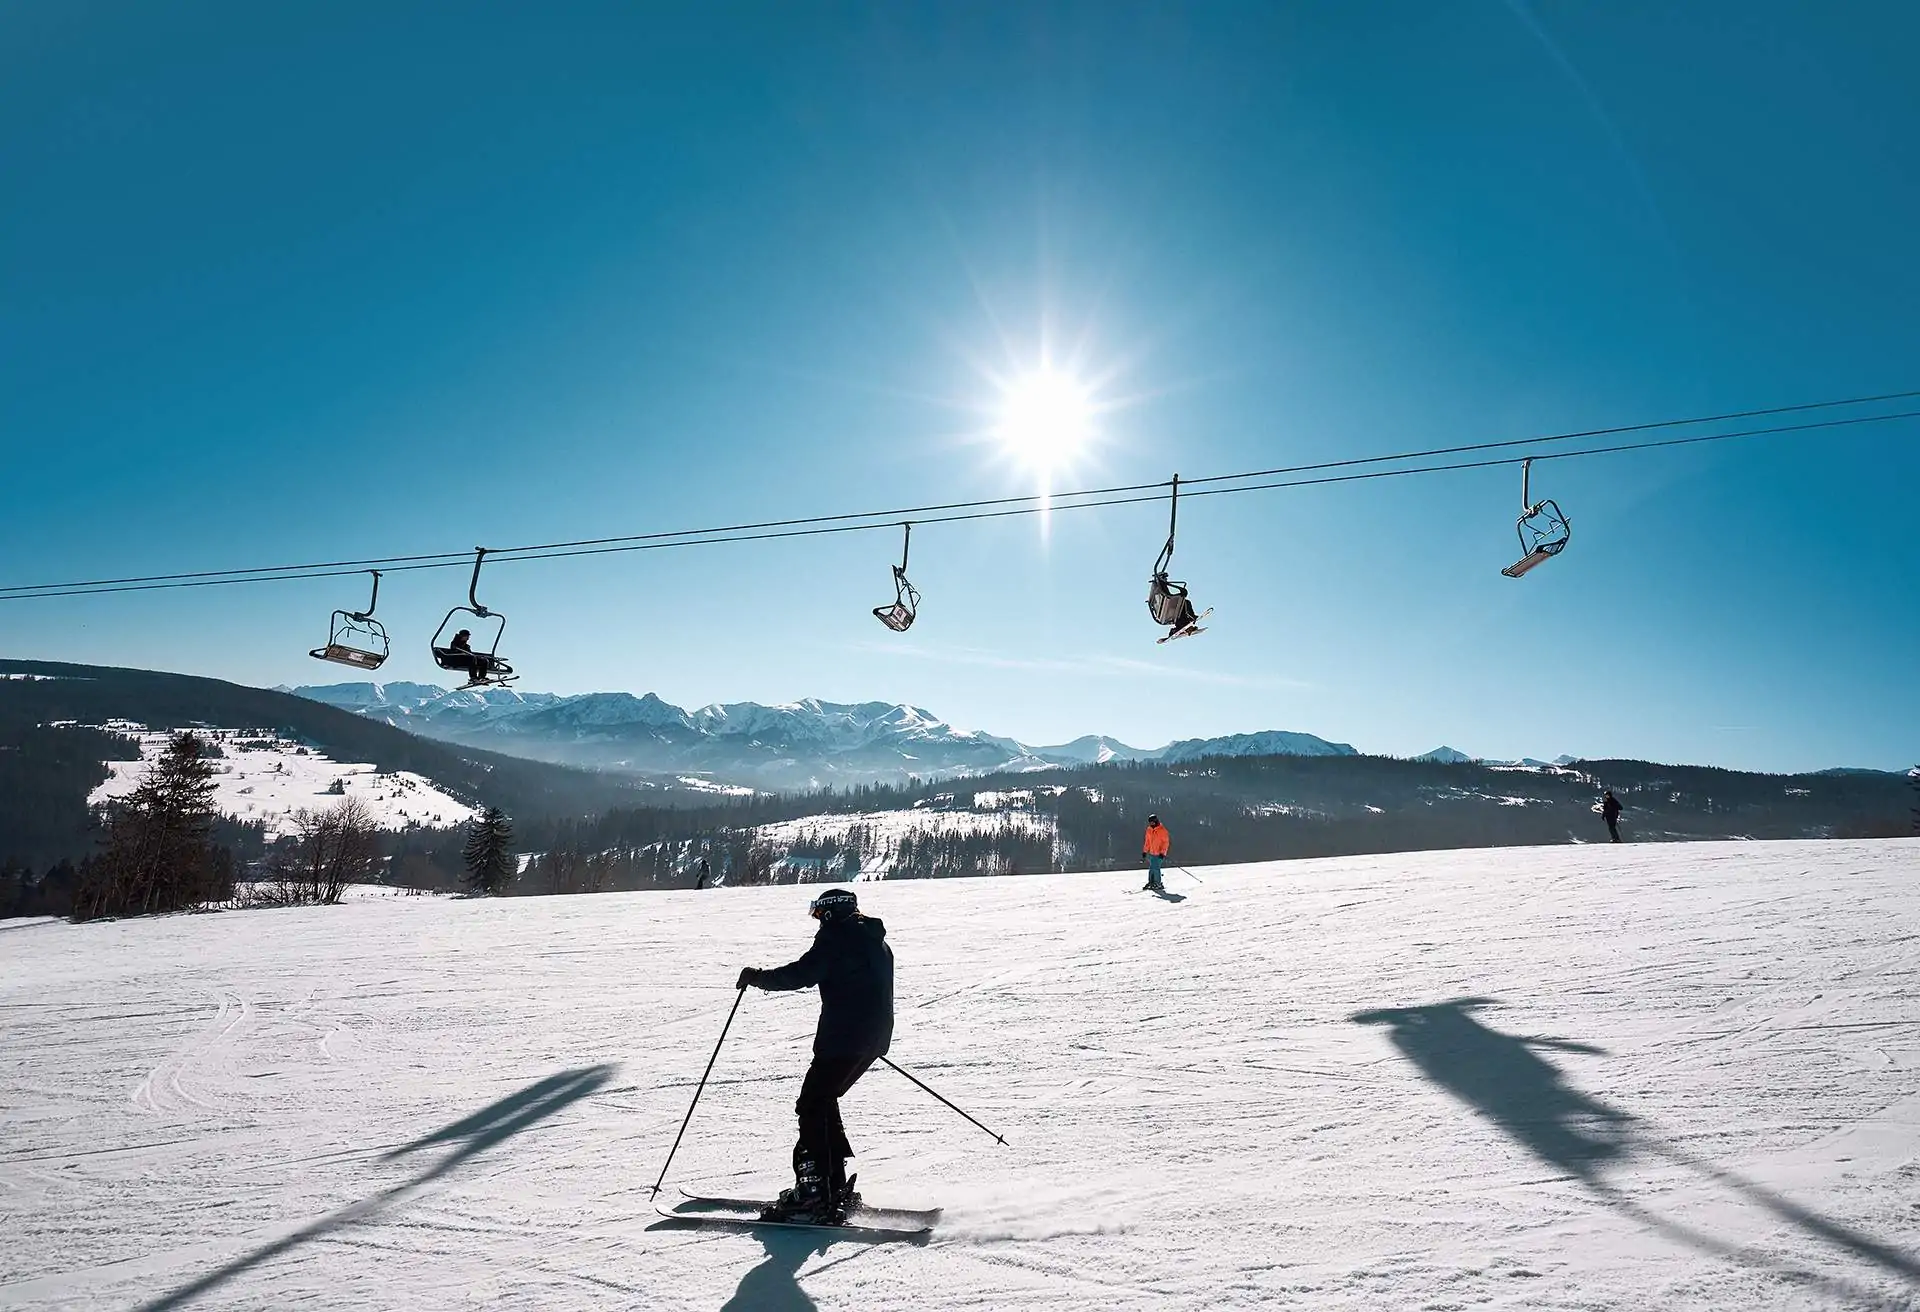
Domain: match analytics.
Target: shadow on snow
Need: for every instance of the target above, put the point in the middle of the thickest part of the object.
(774, 1284)
(473, 1134)
(1505, 1079)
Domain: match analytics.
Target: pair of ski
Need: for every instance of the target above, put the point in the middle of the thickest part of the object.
(1187, 630)
(866, 1220)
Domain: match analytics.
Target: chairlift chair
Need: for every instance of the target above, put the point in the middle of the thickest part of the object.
(355, 637)
(906, 598)
(1544, 530)
(483, 667)
(1167, 600)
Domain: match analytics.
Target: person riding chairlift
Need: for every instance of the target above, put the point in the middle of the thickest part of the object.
(477, 664)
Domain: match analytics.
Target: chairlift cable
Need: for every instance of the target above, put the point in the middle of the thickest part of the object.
(973, 510)
(1556, 455)
(325, 569)
(1562, 437)
(313, 569)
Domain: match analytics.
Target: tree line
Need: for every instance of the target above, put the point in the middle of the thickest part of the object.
(1223, 809)
(165, 849)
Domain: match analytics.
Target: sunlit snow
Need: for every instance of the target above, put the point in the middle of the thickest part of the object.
(263, 777)
(1615, 1079)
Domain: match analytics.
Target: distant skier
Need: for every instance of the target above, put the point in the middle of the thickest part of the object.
(1154, 847)
(853, 966)
(1610, 812)
(705, 870)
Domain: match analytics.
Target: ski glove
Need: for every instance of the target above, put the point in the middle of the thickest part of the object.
(748, 975)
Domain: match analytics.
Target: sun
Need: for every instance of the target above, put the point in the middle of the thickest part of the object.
(1045, 419)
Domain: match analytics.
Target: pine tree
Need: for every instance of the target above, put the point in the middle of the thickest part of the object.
(160, 854)
(489, 853)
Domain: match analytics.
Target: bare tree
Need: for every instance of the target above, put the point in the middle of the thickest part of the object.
(562, 867)
(328, 850)
(596, 874)
(760, 865)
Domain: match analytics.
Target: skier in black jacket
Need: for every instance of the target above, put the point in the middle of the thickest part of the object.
(853, 966)
(1610, 812)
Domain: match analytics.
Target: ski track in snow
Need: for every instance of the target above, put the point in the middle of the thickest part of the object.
(1662, 1077)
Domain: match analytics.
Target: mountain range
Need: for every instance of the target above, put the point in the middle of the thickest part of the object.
(804, 744)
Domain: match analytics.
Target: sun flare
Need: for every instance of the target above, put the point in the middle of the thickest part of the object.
(1045, 419)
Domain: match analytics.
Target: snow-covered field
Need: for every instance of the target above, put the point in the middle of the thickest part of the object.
(266, 778)
(887, 828)
(1596, 1078)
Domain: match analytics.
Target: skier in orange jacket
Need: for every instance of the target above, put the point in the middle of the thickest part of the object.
(1154, 847)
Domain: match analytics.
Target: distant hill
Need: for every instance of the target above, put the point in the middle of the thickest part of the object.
(1241, 798)
(50, 762)
(1221, 809)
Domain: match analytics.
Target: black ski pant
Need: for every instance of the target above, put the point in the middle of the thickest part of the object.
(1613, 827)
(823, 1139)
(476, 665)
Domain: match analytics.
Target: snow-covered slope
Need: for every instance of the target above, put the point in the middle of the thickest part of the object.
(262, 777)
(1613, 1079)
(885, 830)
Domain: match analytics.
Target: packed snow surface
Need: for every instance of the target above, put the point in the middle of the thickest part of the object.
(265, 778)
(1597, 1078)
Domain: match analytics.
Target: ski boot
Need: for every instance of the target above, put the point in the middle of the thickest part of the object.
(799, 1206)
(809, 1202)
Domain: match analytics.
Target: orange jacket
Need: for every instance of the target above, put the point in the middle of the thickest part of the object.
(1157, 842)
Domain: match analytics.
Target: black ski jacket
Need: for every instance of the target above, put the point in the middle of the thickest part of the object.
(1610, 807)
(853, 966)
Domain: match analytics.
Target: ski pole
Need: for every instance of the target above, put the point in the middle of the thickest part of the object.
(1190, 875)
(697, 1092)
(910, 1075)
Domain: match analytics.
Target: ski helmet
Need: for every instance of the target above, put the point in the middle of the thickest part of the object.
(834, 904)
(1153, 819)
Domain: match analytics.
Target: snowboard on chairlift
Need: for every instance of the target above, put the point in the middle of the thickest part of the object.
(1187, 631)
(865, 1221)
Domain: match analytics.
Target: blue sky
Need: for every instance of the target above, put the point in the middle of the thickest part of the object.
(294, 282)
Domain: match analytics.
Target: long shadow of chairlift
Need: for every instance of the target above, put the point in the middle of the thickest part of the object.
(474, 1134)
(1506, 1080)
(1503, 1077)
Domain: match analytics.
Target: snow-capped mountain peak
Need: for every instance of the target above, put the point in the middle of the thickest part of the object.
(613, 708)
(1452, 756)
(803, 743)
(1272, 742)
